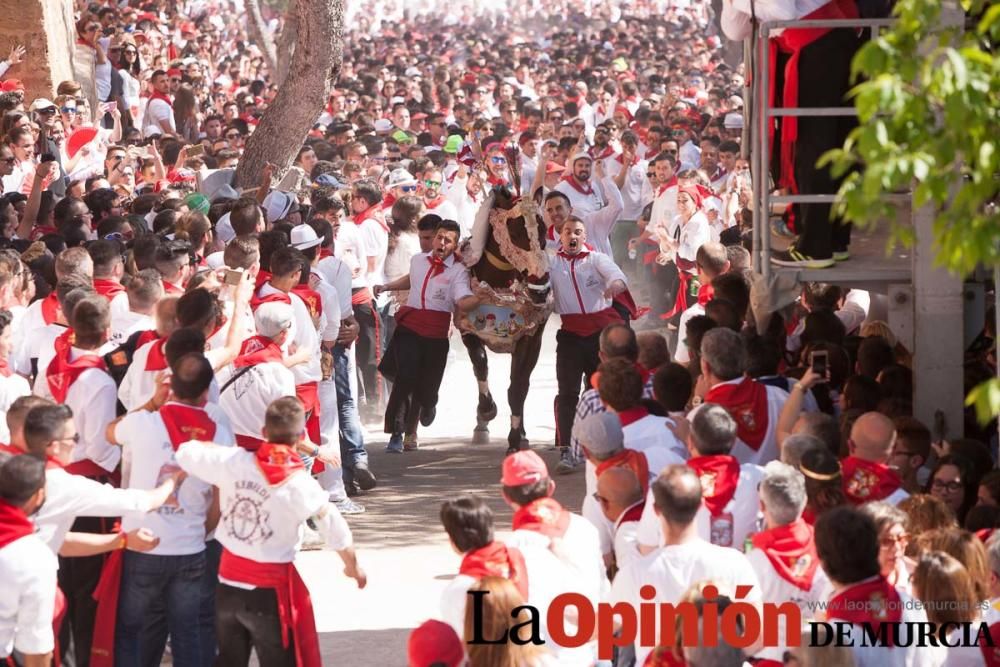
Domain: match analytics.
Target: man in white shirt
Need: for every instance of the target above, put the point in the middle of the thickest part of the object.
(621, 499)
(686, 558)
(266, 497)
(27, 567)
(433, 198)
(711, 260)
(784, 553)
(12, 385)
(156, 587)
(149, 359)
(144, 290)
(159, 115)
(728, 489)
(108, 271)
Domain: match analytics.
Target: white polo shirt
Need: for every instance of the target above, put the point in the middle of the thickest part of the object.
(28, 572)
(246, 400)
(579, 281)
(437, 292)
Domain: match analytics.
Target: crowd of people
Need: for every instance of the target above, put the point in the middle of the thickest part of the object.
(189, 372)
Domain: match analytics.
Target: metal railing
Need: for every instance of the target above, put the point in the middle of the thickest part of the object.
(763, 113)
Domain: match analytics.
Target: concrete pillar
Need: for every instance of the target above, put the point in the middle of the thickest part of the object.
(45, 28)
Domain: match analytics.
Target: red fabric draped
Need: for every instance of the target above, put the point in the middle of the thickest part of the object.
(874, 602)
(256, 301)
(628, 458)
(50, 308)
(582, 188)
(865, 481)
(257, 350)
(792, 552)
(545, 516)
(186, 422)
(424, 322)
(62, 373)
(102, 648)
(496, 559)
(311, 298)
(719, 477)
(156, 360)
(278, 462)
(991, 654)
(14, 524)
(632, 415)
(747, 403)
(109, 289)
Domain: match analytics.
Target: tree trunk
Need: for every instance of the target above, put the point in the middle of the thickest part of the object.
(286, 43)
(315, 66)
(260, 35)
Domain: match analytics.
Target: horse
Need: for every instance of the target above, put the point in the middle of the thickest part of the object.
(510, 275)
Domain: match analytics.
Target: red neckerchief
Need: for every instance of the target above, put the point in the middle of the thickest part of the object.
(434, 203)
(325, 252)
(109, 289)
(186, 422)
(62, 373)
(632, 415)
(874, 602)
(496, 559)
(147, 336)
(161, 96)
(865, 481)
(991, 650)
(619, 160)
(256, 301)
(581, 253)
(576, 185)
(156, 359)
(50, 308)
(545, 516)
(311, 298)
(170, 288)
(437, 265)
(388, 201)
(719, 477)
(606, 153)
(14, 524)
(278, 462)
(631, 459)
(10, 449)
(5, 368)
(747, 403)
(792, 552)
(257, 350)
(370, 213)
(705, 294)
(664, 656)
(80, 41)
(666, 186)
(262, 277)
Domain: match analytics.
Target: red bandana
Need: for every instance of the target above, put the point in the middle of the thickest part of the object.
(278, 462)
(719, 476)
(705, 294)
(496, 559)
(433, 203)
(628, 458)
(311, 298)
(14, 524)
(865, 481)
(437, 266)
(632, 415)
(545, 516)
(370, 213)
(146, 337)
(50, 308)
(278, 297)
(583, 189)
(874, 601)
(170, 288)
(666, 186)
(792, 552)
(109, 289)
(157, 95)
(257, 350)
(62, 373)
(747, 403)
(186, 422)
(156, 360)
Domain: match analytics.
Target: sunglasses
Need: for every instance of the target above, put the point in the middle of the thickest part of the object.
(68, 109)
(432, 185)
(408, 188)
(233, 135)
(946, 486)
(130, 52)
(48, 111)
(496, 159)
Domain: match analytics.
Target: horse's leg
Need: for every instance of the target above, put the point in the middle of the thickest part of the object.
(487, 408)
(523, 361)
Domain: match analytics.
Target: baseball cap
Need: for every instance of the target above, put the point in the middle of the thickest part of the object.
(524, 467)
(383, 126)
(434, 643)
(197, 202)
(273, 317)
(304, 237)
(733, 121)
(277, 204)
(554, 168)
(600, 433)
(581, 156)
(400, 177)
(328, 181)
(453, 144)
(41, 103)
(11, 85)
(401, 137)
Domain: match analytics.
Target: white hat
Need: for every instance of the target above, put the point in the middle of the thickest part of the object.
(736, 101)
(733, 121)
(383, 126)
(400, 177)
(41, 103)
(412, 71)
(224, 229)
(581, 156)
(273, 317)
(304, 237)
(277, 204)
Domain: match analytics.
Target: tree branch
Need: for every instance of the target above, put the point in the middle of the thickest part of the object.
(260, 34)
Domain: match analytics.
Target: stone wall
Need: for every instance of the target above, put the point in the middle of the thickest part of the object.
(45, 28)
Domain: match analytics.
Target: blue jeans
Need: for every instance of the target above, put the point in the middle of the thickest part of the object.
(161, 596)
(352, 443)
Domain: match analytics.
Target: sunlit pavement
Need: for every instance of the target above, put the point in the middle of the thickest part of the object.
(400, 540)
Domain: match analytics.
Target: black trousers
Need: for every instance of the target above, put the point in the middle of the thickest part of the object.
(524, 358)
(78, 578)
(824, 79)
(248, 619)
(663, 283)
(416, 366)
(368, 351)
(576, 360)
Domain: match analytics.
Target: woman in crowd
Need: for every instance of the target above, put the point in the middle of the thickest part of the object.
(892, 539)
(954, 481)
(824, 483)
(496, 620)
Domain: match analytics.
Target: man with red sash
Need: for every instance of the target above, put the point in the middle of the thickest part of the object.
(173, 261)
(27, 566)
(583, 285)
(108, 271)
(685, 558)
(754, 406)
(159, 115)
(418, 351)
(621, 499)
(149, 359)
(534, 569)
(711, 260)
(728, 489)
(809, 67)
(373, 241)
(541, 521)
(866, 472)
(155, 588)
(266, 497)
(259, 375)
(784, 554)
(847, 544)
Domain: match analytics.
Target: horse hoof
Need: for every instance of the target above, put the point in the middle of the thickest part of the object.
(516, 441)
(486, 411)
(481, 435)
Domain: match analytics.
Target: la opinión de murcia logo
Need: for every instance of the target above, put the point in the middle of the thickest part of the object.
(740, 624)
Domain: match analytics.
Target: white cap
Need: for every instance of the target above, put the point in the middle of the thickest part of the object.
(581, 156)
(400, 177)
(304, 237)
(733, 121)
(41, 103)
(277, 204)
(412, 71)
(273, 317)
(224, 229)
(383, 126)
(736, 101)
